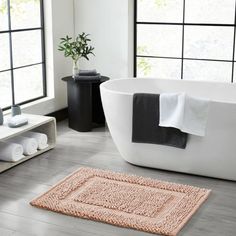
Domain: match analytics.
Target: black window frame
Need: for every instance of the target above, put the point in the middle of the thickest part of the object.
(43, 62)
(183, 24)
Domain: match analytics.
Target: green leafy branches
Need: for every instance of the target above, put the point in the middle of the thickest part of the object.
(143, 63)
(78, 48)
(3, 7)
(160, 3)
(144, 66)
(15, 5)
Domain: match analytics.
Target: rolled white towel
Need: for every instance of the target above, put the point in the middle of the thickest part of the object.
(11, 152)
(42, 139)
(29, 144)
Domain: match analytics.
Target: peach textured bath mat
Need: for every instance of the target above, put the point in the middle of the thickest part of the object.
(124, 200)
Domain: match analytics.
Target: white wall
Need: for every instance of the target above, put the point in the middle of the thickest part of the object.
(59, 21)
(110, 24)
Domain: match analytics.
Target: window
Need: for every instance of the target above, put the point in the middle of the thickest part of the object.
(185, 39)
(22, 55)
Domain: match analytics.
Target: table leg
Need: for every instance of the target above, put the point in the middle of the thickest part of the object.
(80, 106)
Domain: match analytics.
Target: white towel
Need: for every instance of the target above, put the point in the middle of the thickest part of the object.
(181, 111)
(42, 139)
(11, 152)
(30, 145)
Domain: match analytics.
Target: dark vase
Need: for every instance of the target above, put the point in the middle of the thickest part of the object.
(15, 110)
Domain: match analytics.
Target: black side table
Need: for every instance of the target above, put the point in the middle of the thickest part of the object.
(84, 103)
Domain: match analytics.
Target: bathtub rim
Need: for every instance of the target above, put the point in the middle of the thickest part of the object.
(104, 87)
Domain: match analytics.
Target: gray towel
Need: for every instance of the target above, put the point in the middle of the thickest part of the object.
(88, 77)
(88, 72)
(146, 127)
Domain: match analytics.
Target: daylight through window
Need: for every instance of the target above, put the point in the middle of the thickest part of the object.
(185, 39)
(22, 59)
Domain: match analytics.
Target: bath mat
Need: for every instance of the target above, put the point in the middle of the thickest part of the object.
(124, 200)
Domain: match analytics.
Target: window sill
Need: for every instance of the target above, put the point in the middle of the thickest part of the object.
(28, 105)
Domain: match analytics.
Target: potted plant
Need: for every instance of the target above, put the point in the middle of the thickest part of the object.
(79, 48)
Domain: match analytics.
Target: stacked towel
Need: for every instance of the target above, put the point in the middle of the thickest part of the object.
(42, 139)
(30, 145)
(186, 113)
(17, 121)
(88, 75)
(10, 152)
(88, 72)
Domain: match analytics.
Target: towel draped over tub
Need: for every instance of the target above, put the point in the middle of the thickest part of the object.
(184, 112)
(146, 127)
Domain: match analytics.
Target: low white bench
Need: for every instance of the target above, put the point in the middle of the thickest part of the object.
(43, 124)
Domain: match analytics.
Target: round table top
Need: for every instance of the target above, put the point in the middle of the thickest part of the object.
(98, 80)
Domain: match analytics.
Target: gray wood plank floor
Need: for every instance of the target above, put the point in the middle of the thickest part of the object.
(96, 149)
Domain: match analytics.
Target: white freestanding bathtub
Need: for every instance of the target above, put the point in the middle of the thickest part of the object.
(213, 155)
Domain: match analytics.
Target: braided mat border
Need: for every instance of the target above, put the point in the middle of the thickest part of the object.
(124, 200)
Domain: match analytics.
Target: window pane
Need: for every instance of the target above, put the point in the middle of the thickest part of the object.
(3, 15)
(25, 14)
(160, 10)
(208, 70)
(26, 48)
(28, 83)
(159, 68)
(5, 89)
(235, 51)
(159, 40)
(205, 42)
(234, 79)
(210, 11)
(4, 52)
